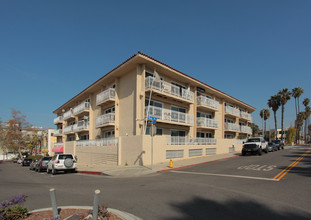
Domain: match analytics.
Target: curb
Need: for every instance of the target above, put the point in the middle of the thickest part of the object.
(121, 214)
(191, 165)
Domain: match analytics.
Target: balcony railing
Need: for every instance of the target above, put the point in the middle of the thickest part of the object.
(168, 88)
(68, 129)
(190, 141)
(232, 126)
(58, 144)
(58, 119)
(246, 129)
(202, 100)
(104, 95)
(81, 107)
(99, 142)
(81, 125)
(207, 122)
(232, 111)
(169, 115)
(58, 132)
(67, 114)
(246, 115)
(105, 119)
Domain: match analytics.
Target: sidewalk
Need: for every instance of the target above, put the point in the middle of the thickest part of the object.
(134, 171)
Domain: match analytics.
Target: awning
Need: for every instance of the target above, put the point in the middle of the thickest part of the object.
(58, 149)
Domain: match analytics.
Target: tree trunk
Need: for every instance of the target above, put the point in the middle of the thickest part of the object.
(282, 122)
(296, 139)
(275, 126)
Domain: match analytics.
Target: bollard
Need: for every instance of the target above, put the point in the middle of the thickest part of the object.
(53, 202)
(96, 204)
(171, 163)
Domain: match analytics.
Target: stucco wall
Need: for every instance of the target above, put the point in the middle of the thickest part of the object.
(97, 155)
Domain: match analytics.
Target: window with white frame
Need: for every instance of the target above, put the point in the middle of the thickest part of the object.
(205, 134)
(109, 110)
(178, 109)
(84, 137)
(109, 134)
(204, 95)
(228, 120)
(153, 103)
(229, 136)
(204, 115)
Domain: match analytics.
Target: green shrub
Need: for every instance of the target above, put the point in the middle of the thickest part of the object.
(35, 157)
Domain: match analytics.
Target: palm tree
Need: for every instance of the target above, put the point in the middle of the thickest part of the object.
(274, 103)
(296, 93)
(265, 114)
(307, 113)
(285, 96)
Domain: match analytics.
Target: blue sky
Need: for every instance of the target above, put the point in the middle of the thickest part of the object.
(52, 50)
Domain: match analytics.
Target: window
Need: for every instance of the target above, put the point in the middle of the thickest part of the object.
(84, 137)
(178, 109)
(109, 110)
(229, 136)
(178, 133)
(153, 103)
(205, 135)
(228, 120)
(108, 134)
(159, 131)
(242, 123)
(204, 95)
(204, 115)
(178, 89)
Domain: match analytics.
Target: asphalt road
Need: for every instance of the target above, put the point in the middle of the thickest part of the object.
(250, 187)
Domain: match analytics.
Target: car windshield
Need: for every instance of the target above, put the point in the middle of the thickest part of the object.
(253, 140)
(63, 157)
(46, 158)
(28, 159)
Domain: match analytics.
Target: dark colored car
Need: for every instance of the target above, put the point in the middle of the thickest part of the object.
(272, 147)
(279, 144)
(26, 162)
(33, 165)
(42, 164)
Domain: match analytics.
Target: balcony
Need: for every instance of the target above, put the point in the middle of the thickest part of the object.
(207, 122)
(232, 111)
(67, 115)
(58, 119)
(80, 126)
(68, 129)
(169, 89)
(83, 107)
(232, 127)
(105, 96)
(105, 120)
(167, 115)
(99, 142)
(207, 103)
(58, 132)
(246, 115)
(190, 141)
(246, 129)
(58, 144)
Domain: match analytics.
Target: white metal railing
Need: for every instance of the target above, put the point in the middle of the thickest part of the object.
(246, 129)
(58, 119)
(169, 88)
(232, 126)
(57, 132)
(99, 142)
(81, 107)
(232, 111)
(104, 119)
(172, 140)
(169, 115)
(67, 114)
(81, 125)
(246, 115)
(202, 100)
(68, 129)
(58, 144)
(207, 122)
(104, 95)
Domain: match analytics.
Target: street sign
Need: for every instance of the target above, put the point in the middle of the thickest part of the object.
(151, 120)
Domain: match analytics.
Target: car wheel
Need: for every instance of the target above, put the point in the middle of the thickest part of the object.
(259, 152)
(243, 153)
(266, 151)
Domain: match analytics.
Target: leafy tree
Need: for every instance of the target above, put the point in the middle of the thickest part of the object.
(296, 93)
(274, 103)
(285, 96)
(15, 132)
(290, 135)
(307, 113)
(265, 114)
(254, 128)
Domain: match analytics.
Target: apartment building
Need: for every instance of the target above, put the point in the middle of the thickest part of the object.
(106, 123)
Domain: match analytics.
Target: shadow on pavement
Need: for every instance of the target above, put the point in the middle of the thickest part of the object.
(200, 208)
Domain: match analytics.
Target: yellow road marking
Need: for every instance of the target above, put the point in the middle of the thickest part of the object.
(280, 175)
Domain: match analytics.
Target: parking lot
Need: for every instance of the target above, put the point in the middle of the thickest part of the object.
(243, 187)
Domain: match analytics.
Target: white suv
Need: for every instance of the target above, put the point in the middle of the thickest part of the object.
(61, 162)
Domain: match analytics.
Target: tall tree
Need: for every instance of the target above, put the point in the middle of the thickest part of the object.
(274, 103)
(265, 114)
(296, 93)
(254, 128)
(15, 132)
(285, 96)
(307, 113)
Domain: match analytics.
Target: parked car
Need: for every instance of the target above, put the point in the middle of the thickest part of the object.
(255, 145)
(26, 162)
(42, 164)
(33, 165)
(61, 162)
(19, 161)
(272, 147)
(279, 143)
(15, 160)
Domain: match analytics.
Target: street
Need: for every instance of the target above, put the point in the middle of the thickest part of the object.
(272, 186)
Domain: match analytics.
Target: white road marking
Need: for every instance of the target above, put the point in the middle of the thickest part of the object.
(225, 175)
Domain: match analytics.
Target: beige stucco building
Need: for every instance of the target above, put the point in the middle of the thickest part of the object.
(106, 122)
